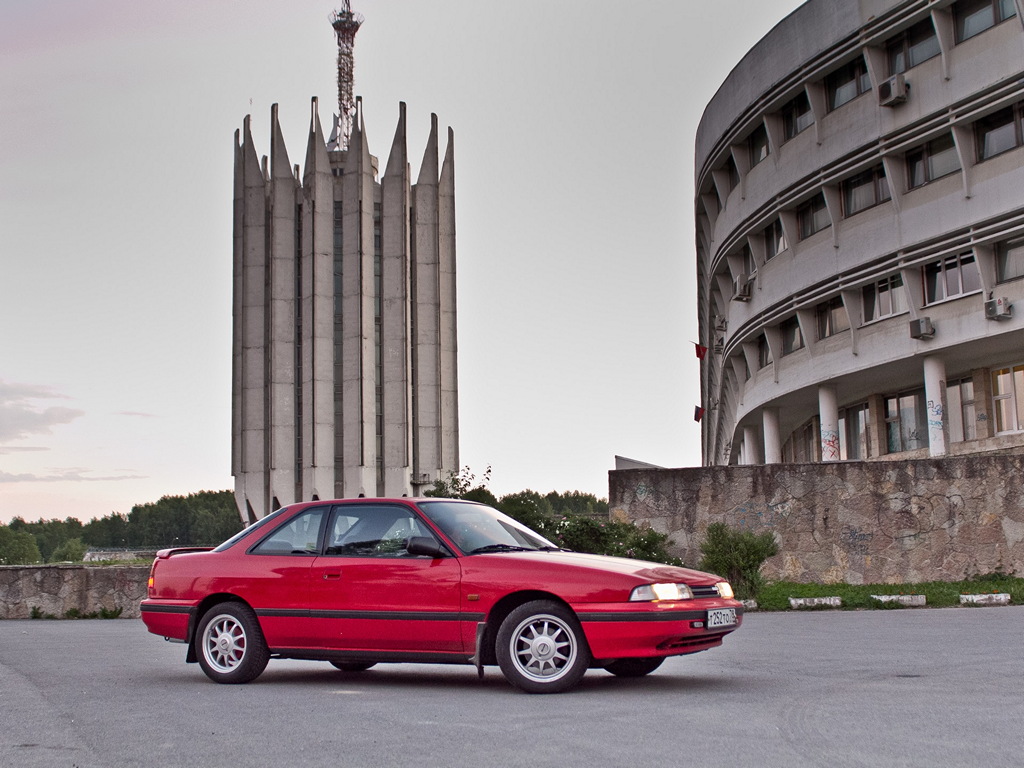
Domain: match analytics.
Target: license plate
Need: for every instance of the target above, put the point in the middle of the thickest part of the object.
(721, 617)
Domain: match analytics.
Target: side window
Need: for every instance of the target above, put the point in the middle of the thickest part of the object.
(299, 536)
(370, 530)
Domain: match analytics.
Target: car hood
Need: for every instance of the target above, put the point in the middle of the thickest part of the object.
(643, 571)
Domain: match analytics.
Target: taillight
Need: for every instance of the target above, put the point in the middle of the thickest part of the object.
(149, 586)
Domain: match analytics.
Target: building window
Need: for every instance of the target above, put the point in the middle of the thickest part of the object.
(972, 17)
(853, 432)
(1009, 260)
(792, 336)
(934, 160)
(733, 171)
(774, 240)
(912, 46)
(764, 353)
(951, 277)
(847, 83)
(1008, 399)
(812, 216)
(757, 145)
(803, 444)
(906, 422)
(797, 116)
(884, 298)
(832, 318)
(865, 190)
(960, 411)
(998, 132)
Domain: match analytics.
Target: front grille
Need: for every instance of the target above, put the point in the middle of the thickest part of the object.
(708, 591)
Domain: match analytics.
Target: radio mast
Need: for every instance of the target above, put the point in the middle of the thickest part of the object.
(346, 24)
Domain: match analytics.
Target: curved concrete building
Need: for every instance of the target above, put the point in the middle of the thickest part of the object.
(860, 236)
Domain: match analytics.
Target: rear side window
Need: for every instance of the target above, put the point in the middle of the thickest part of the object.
(301, 535)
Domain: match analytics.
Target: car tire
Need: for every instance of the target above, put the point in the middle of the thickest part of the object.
(229, 644)
(634, 667)
(541, 648)
(353, 666)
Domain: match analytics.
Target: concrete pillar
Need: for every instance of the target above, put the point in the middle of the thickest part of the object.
(828, 413)
(751, 454)
(935, 396)
(772, 438)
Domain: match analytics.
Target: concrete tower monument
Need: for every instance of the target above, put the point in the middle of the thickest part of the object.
(345, 376)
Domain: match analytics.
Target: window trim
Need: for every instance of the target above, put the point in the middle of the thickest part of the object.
(967, 257)
(904, 40)
(807, 213)
(924, 154)
(997, 17)
(880, 191)
(861, 79)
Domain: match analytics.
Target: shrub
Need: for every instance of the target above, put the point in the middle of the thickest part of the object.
(738, 556)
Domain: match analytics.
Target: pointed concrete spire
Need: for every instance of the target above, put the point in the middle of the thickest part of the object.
(280, 165)
(428, 168)
(397, 160)
(447, 181)
(317, 159)
(367, 160)
(250, 162)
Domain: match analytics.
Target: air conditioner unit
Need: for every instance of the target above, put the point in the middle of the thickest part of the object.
(998, 309)
(922, 328)
(420, 478)
(741, 288)
(721, 324)
(893, 91)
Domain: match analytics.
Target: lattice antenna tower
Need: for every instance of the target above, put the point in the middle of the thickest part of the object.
(346, 24)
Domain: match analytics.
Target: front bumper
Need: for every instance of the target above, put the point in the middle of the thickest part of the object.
(654, 629)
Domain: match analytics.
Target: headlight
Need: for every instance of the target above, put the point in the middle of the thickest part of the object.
(651, 592)
(725, 590)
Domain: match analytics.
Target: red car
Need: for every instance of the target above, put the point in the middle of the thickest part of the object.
(357, 582)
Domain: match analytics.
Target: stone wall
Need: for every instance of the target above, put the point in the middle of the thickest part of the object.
(855, 522)
(56, 590)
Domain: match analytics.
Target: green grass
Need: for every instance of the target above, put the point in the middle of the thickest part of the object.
(774, 596)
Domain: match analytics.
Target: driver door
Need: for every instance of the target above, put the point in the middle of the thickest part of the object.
(369, 593)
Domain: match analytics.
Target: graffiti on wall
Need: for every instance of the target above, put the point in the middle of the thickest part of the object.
(756, 516)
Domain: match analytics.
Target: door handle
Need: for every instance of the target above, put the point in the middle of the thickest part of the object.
(332, 575)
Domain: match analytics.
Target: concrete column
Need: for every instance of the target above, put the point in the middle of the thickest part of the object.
(935, 395)
(828, 413)
(751, 455)
(772, 438)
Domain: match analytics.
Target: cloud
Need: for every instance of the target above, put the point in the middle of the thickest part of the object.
(140, 414)
(20, 417)
(10, 450)
(63, 475)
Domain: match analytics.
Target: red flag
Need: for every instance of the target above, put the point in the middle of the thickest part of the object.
(701, 351)
(698, 413)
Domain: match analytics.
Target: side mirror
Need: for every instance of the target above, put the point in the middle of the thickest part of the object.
(425, 545)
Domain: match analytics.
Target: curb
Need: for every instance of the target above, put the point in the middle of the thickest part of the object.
(996, 598)
(815, 602)
(913, 601)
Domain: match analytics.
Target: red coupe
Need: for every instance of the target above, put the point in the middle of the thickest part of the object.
(357, 582)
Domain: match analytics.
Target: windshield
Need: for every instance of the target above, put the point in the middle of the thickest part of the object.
(478, 528)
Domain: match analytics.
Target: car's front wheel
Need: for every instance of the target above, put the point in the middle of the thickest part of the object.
(541, 648)
(230, 645)
(634, 667)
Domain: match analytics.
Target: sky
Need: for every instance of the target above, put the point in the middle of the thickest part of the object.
(574, 126)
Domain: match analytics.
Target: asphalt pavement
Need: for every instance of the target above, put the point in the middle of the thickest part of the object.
(911, 687)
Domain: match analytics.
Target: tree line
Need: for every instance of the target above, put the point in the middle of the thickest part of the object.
(200, 519)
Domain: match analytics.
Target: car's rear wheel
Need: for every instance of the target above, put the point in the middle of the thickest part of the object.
(541, 648)
(230, 645)
(353, 666)
(634, 667)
